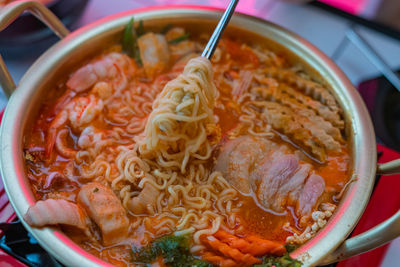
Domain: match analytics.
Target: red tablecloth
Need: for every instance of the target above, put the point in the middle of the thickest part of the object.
(7, 214)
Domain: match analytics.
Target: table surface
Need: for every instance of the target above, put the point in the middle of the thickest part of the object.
(321, 28)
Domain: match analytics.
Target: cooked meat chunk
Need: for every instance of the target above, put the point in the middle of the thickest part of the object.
(312, 190)
(106, 210)
(154, 53)
(274, 173)
(237, 158)
(282, 180)
(295, 185)
(145, 202)
(57, 211)
(258, 167)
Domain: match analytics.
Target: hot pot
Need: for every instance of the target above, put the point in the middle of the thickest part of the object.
(327, 246)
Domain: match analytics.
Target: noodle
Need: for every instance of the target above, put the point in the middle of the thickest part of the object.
(177, 128)
(176, 139)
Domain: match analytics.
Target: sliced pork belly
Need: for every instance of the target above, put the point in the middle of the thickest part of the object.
(280, 180)
(283, 180)
(312, 190)
(275, 173)
(57, 211)
(154, 53)
(276, 178)
(295, 185)
(237, 158)
(106, 210)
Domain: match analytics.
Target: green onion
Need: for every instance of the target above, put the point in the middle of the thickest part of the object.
(179, 39)
(137, 57)
(290, 248)
(166, 28)
(129, 40)
(140, 29)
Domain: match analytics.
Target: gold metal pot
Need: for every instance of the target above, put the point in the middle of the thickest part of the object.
(327, 246)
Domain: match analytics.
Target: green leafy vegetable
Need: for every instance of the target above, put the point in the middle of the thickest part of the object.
(129, 40)
(284, 261)
(166, 28)
(137, 57)
(173, 249)
(140, 29)
(144, 255)
(179, 39)
(290, 248)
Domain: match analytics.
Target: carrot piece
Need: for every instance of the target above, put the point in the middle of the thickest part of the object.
(266, 246)
(218, 260)
(253, 245)
(234, 253)
(234, 241)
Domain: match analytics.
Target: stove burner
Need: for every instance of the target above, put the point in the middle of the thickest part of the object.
(20, 244)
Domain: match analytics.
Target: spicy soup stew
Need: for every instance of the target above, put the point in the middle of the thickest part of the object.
(148, 154)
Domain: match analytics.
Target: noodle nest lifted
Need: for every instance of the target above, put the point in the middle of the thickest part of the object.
(182, 121)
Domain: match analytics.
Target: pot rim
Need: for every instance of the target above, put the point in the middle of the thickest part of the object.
(361, 130)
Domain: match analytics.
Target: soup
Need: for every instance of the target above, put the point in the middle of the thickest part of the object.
(150, 154)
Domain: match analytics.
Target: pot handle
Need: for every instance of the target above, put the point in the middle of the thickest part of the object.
(11, 12)
(375, 237)
(371, 239)
(391, 167)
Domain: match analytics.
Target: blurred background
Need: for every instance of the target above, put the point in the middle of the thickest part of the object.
(361, 36)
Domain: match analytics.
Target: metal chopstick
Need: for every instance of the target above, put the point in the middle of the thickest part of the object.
(223, 22)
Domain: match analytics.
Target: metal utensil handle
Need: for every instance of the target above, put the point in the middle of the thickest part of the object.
(391, 167)
(223, 22)
(11, 12)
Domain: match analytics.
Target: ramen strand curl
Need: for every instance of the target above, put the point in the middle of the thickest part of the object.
(180, 114)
